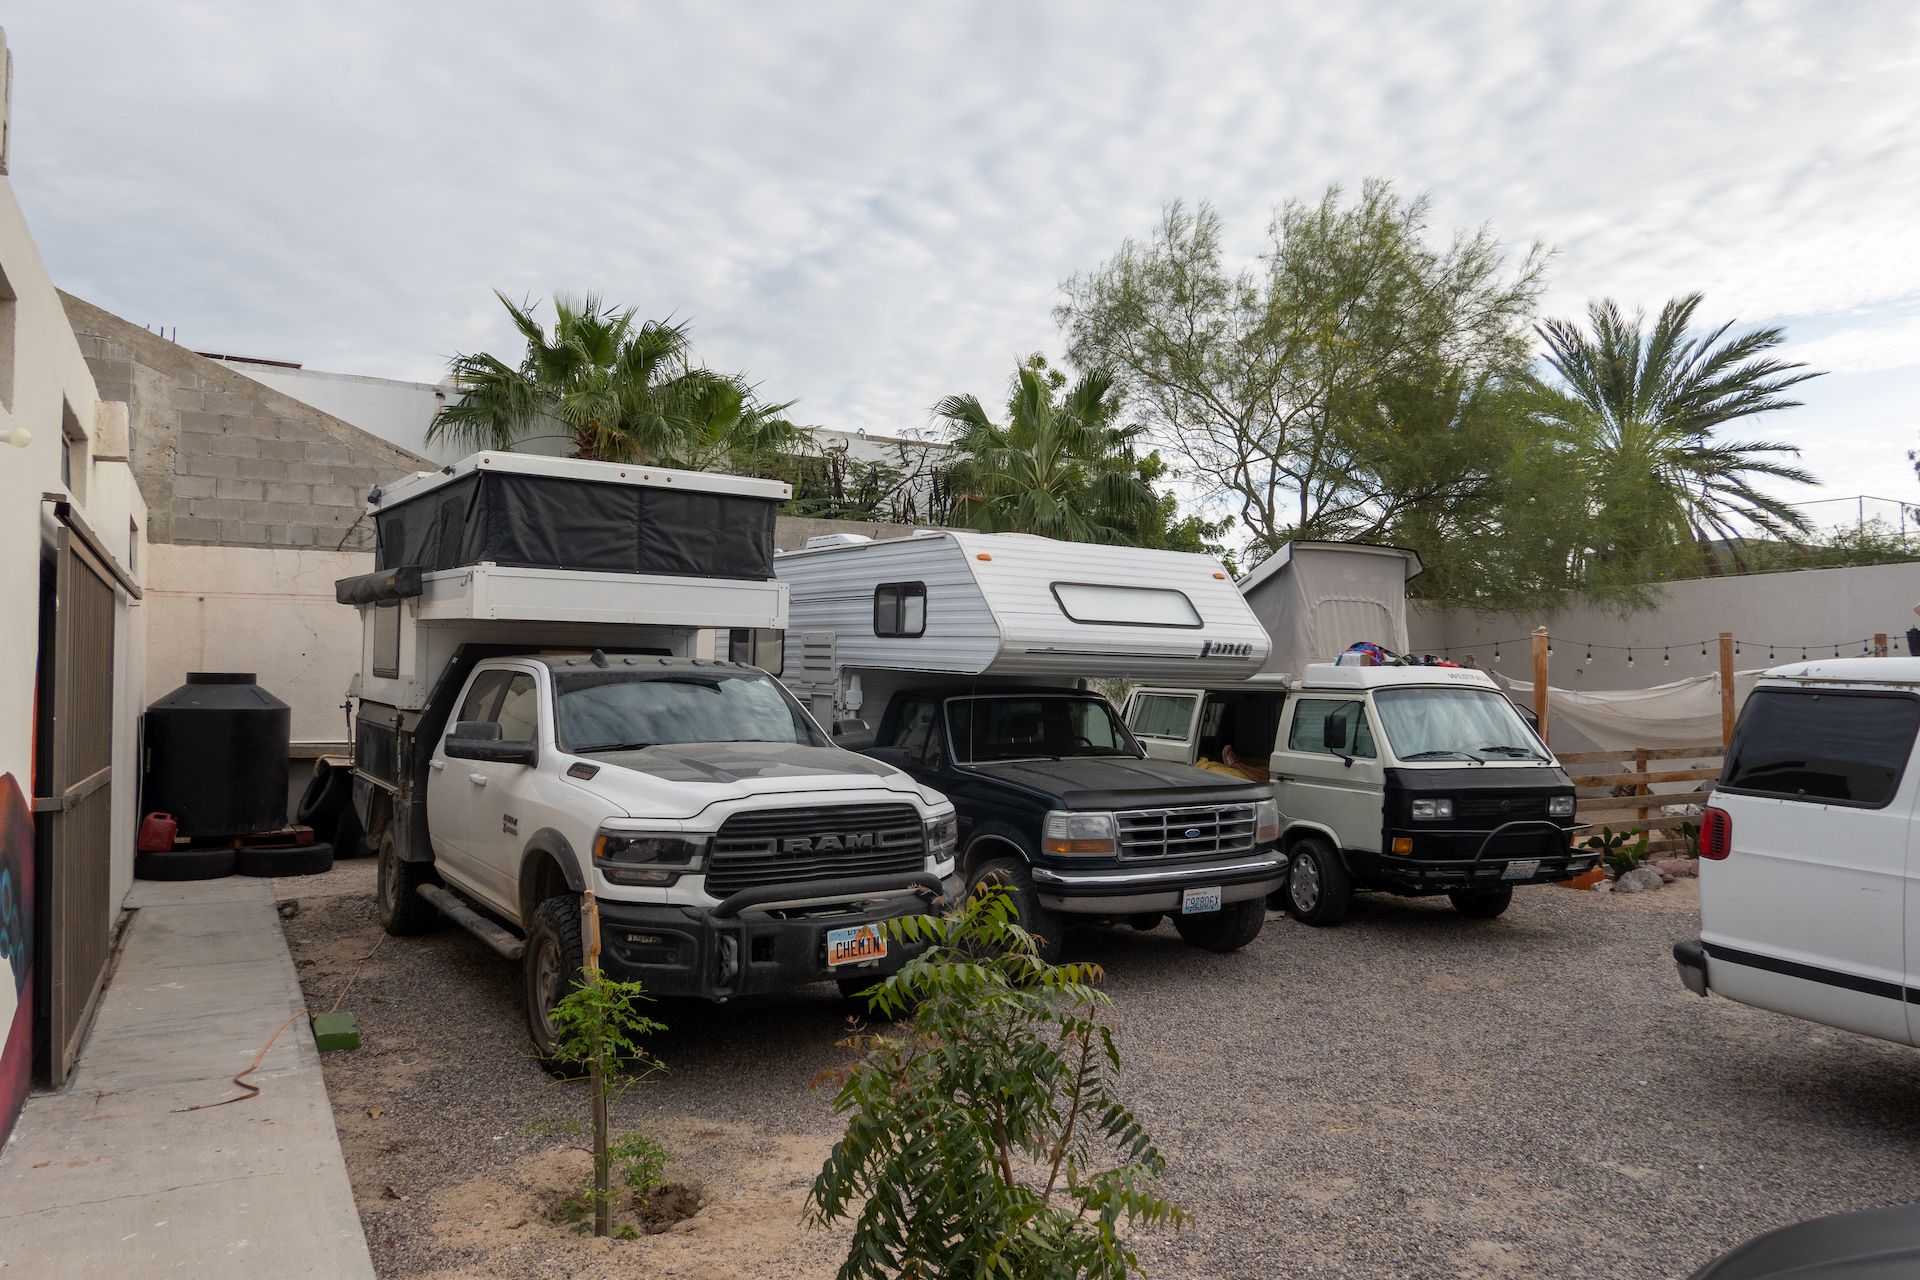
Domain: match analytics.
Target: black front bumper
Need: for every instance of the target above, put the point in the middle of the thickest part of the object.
(750, 944)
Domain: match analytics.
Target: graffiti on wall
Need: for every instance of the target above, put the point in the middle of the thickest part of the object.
(16, 951)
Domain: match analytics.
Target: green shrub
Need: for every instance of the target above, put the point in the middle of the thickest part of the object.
(1622, 851)
(987, 1137)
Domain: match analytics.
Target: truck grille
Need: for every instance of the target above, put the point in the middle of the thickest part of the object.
(796, 846)
(1186, 833)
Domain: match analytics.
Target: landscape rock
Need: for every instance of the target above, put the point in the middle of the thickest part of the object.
(1673, 867)
(1638, 880)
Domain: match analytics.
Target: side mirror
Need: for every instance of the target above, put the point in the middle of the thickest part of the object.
(1337, 730)
(898, 757)
(491, 748)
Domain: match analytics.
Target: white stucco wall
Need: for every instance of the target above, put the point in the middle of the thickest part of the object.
(1817, 608)
(398, 412)
(271, 612)
(47, 376)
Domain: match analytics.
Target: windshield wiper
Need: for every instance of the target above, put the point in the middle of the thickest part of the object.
(1525, 752)
(1444, 755)
(613, 746)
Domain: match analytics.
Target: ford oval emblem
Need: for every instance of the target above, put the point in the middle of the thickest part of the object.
(1191, 833)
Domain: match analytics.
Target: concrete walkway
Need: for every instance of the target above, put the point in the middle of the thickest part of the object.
(111, 1178)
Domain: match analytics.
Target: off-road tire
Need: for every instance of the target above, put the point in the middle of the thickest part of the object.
(183, 864)
(550, 970)
(1226, 930)
(1481, 904)
(1323, 895)
(266, 860)
(1047, 927)
(403, 911)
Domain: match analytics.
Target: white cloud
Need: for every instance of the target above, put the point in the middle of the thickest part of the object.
(868, 207)
(1893, 343)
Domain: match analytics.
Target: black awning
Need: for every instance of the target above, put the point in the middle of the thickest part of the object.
(380, 586)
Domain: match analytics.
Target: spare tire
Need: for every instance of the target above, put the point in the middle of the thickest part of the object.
(183, 864)
(284, 859)
(327, 793)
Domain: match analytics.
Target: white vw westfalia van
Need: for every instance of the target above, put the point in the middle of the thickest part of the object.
(1809, 902)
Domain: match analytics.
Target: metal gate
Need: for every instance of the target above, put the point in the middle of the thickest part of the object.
(76, 804)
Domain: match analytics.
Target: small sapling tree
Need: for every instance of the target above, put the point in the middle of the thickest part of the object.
(987, 1137)
(598, 1026)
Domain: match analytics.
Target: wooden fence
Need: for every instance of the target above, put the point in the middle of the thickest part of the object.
(1629, 802)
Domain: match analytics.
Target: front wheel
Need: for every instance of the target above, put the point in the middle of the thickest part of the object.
(1046, 926)
(402, 910)
(550, 970)
(1319, 890)
(1228, 929)
(1481, 904)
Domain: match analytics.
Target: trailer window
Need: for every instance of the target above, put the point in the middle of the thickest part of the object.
(1822, 747)
(762, 648)
(386, 640)
(1161, 715)
(1120, 606)
(900, 609)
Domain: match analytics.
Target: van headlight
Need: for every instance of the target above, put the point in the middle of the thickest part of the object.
(647, 857)
(1559, 806)
(1089, 833)
(1432, 810)
(943, 839)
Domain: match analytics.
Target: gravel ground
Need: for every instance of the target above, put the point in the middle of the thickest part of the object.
(1411, 1094)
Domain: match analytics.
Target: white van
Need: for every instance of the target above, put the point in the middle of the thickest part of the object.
(1808, 896)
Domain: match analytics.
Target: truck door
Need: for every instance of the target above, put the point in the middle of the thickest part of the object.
(1163, 720)
(464, 806)
(1327, 771)
(499, 804)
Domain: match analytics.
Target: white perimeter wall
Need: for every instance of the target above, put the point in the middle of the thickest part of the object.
(271, 612)
(1811, 607)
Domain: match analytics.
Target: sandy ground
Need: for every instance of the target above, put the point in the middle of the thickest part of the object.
(1410, 1094)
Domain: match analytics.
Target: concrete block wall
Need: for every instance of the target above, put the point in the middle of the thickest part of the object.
(227, 461)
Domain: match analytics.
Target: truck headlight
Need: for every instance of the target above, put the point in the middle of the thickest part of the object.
(943, 839)
(1266, 822)
(1432, 810)
(1065, 832)
(647, 857)
(1559, 806)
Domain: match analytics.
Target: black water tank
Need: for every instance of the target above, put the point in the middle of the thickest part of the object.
(216, 756)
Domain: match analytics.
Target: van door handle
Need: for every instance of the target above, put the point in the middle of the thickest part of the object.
(477, 779)
(436, 764)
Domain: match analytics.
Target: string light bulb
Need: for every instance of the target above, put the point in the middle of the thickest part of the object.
(1703, 648)
(1629, 656)
(1589, 655)
(1666, 657)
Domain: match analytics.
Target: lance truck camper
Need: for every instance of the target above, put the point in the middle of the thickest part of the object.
(963, 658)
(532, 721)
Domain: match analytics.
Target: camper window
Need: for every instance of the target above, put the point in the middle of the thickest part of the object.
(1161, 715)
(763, 648)
(1118, 606)
(900, 609)
(386, 640)
(1308, 733)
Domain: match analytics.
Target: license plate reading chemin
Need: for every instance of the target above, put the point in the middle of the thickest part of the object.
(855, 945)
(1522, 870)
(1195, 901)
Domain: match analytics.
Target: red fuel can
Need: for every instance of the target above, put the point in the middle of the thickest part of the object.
(156, 833)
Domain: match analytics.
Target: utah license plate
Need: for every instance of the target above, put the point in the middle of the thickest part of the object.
(1525, 869)
(1195, 901)
(854, 945)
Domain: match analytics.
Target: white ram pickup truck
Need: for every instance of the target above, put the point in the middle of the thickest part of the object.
(533, 722)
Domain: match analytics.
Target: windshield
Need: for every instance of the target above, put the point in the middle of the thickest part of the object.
(614, 710)
(1455, 724)
(1036, 728)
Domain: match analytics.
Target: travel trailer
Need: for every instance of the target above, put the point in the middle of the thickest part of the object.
(963, 658)
(532, 722)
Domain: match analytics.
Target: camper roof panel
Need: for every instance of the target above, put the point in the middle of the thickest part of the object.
(625, 473)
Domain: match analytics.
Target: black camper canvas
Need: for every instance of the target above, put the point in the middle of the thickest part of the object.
(547, 522)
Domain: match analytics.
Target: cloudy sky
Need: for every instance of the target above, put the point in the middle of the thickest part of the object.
(869, 206)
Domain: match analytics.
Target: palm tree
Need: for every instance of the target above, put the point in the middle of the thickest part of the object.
(616, 389)
(1058, 467)
(1640, 414)
(725, 429)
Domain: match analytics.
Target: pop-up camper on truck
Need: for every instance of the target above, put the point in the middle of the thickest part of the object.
(532, 723)
(970, 653)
